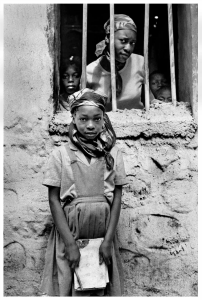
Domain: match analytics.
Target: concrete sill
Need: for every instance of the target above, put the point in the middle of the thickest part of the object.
(162, 120)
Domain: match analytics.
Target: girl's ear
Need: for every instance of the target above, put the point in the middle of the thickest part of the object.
(73, 118)
(106, 39)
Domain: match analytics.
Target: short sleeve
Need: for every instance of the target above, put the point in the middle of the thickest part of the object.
(52, 175)
(120, 177)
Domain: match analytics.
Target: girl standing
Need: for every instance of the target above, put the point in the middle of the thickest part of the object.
(84, 179)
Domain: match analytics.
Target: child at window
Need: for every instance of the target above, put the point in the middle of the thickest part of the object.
(129, 67)
(157, 79)
(84, 178)
(164, 94)
(70, 74)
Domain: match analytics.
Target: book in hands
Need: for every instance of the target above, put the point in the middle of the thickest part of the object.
(90, 274)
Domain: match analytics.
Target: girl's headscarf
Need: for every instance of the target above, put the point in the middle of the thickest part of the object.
(104, 142)
(120, 22)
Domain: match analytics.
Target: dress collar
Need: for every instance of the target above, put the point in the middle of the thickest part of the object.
(80, 155)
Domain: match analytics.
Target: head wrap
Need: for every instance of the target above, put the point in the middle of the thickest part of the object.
(87, 97)
(105, 141)
(120, 22)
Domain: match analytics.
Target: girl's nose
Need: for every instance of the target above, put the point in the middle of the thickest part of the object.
(127, 48)
(70, 78)
(159, 84)
(90, 125)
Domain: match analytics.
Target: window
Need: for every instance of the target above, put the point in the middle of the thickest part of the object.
(70, 35)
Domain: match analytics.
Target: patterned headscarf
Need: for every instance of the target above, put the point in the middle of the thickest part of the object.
(87, 97)
(105, 141)
(120, 22)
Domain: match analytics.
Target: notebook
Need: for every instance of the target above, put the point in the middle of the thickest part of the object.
(90, 274)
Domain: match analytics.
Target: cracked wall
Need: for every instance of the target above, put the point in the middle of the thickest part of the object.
(157, 230)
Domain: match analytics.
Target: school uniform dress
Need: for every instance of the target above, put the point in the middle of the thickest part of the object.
(86, 193)
(132, 76)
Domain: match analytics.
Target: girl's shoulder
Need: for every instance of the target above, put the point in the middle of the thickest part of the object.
(136, 58)
(95, 64)
(115, 151)
(60, 151)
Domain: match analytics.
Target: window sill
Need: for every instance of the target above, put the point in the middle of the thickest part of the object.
(162, 120)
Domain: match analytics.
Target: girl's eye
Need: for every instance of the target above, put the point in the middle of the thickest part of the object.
(76, 75)
(123, 41)
(97, 119)
(83, 119)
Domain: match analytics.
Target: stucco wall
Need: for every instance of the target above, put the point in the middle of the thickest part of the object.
(158, 224)
(28, 76)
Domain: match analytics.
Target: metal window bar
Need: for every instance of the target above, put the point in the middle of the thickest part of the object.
(84, 45)
(146, 54)
(56, 79)
(112, 59)
(172, 58)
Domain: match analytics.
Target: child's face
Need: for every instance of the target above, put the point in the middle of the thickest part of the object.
(71, 80)
(156, 82)
(165, 95)
(124, 42)
(89, 121)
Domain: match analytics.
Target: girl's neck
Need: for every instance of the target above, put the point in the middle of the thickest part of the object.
(106, 64)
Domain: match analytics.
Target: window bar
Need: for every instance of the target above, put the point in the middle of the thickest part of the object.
(146, 60)
(57, 57)
(171, 49)
(112, 59)
(84, 45)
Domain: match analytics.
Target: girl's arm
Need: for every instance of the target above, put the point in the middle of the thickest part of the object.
(72, 250)
(105, 248)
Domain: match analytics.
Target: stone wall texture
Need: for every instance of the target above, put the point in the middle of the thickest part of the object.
(157, 230)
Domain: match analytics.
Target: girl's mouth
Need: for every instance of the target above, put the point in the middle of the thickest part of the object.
(70, 87)
(125, 55)
(91, 134)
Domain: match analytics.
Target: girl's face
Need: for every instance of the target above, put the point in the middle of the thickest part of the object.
(71, 80)
(89, 121)
(156, 82)
(165, 95)
(124, 42)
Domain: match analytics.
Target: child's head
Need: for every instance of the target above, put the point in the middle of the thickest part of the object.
(87, 108)
(164, 94)
(157, 79)
(125, 35)
(70, 74)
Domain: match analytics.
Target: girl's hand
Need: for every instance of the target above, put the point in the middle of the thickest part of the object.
(73, 255)
(105, 253)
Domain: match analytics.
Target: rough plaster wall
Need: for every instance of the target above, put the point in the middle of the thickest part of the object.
(27, 109)
(157, 229)
(158, 225)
